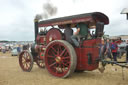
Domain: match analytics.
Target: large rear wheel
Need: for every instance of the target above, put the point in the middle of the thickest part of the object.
(60, 58)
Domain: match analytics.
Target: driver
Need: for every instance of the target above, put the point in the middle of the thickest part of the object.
(68, 33)
(82, 31)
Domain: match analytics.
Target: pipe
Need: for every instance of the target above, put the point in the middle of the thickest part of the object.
(36, 28)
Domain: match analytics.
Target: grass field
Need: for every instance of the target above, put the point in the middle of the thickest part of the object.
(11, 74)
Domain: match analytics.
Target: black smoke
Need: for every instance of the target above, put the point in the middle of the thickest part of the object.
(48, 10)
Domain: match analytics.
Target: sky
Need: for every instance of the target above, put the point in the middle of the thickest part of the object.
(17, 16)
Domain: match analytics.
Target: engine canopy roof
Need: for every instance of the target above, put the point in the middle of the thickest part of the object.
(97, 16)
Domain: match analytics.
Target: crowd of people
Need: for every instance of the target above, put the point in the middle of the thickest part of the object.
(4, 49)
(108, 49)
(19, 48)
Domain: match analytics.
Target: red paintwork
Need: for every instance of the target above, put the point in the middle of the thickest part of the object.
(42, 55)
(90, 46)
(40, 48)
(41, 39)
(54, 34)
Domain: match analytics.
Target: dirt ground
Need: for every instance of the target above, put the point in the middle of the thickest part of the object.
(11, 74)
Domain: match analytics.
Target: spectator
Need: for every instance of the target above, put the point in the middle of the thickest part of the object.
(10, 48)
(101, 55)
(3, 49)
(18, 49)
(114, 49)
(108, 49)
(25, 47)
(102, 49)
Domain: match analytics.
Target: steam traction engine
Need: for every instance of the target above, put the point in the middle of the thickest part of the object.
(60, 57)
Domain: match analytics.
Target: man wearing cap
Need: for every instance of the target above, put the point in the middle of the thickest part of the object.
(82, 31)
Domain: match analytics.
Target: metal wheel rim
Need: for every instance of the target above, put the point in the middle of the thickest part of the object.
(58, 61)
(26, 61)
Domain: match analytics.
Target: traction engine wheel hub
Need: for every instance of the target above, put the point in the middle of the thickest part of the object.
(58, 59)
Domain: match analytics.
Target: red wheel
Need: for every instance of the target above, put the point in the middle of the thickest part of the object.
(26, 61)
(60, 58)
(40, 63)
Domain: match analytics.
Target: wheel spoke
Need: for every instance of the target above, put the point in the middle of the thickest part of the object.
(58, 49)
(29, 60)
(27, 65)
(65, 53)
(24, 65)
(49, 56)
(23, 60)
(65, 64)
(56, 68)
(52, 64)
(62, 52)
(54, 49)
(63, 67)
(28, 57)
(65, 58)
(60, 67)
(53, 53)
(66, 61)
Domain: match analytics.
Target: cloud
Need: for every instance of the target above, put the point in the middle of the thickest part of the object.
(17, 15)
(16, 21)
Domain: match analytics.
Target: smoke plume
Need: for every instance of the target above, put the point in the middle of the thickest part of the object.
(48, 10)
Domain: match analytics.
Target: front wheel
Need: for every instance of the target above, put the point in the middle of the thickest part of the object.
(26, 61)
